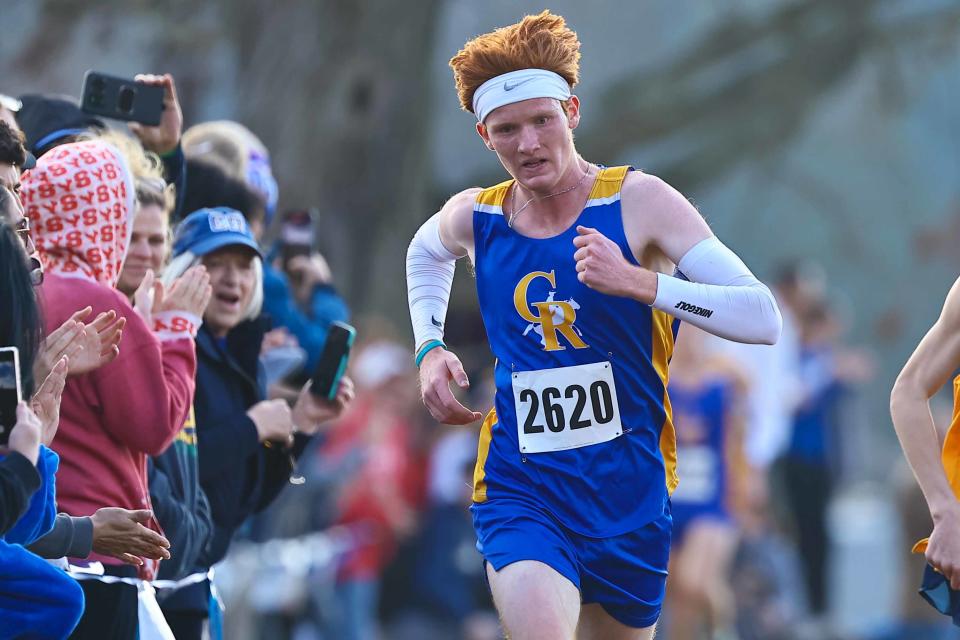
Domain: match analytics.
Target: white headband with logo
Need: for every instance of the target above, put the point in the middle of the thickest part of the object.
(515, 86)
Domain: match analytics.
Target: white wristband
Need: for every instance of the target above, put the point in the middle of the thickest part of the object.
(430, 268)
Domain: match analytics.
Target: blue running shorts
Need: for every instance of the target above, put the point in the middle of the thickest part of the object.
(624, 574)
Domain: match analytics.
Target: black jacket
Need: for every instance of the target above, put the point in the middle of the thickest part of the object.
(239, 475)
(19, 480)
(175, 173)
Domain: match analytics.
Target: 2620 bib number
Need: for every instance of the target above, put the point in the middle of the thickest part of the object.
(566, 407)
(601, 401)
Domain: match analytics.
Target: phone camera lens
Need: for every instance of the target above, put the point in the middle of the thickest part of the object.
(125, 100)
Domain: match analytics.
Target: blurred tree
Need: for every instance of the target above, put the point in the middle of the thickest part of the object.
(744, 91)
(337, 90)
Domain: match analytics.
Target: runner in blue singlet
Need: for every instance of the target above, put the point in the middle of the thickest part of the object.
(582, 274)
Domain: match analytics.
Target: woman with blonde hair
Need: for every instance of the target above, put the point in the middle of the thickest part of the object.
(246, 444)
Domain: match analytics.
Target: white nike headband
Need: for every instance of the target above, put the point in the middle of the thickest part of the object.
(516, 86)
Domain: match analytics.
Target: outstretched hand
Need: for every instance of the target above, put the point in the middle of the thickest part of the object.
(437, 369)
(120, 533)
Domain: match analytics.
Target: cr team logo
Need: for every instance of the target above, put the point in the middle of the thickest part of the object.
(550, 318)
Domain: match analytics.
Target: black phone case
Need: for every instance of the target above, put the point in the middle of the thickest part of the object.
(333, 360)
(121, 99)
(9, 396)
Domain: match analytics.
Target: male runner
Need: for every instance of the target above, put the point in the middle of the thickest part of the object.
(937, 470)
(577, 458)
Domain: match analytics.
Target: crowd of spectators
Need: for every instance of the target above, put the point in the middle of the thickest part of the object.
(136, 285)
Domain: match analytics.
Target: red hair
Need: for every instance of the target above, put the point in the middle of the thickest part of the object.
(543, 41)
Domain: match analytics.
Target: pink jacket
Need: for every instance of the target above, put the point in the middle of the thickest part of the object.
(80, 200)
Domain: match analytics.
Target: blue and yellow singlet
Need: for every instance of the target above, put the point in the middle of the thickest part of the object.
(582, 424)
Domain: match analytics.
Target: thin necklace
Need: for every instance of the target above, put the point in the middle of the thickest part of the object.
(513, 197)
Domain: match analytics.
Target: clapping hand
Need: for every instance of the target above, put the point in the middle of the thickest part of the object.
(46, 401)
(86, 346)
(189, 293)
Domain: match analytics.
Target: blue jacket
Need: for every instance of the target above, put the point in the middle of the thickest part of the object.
(37, 600)
(239, 475)
(326, 305)
(42, 508)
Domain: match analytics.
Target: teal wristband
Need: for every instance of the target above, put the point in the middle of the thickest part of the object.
(429, 346)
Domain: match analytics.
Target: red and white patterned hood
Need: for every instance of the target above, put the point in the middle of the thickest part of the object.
(80, 200)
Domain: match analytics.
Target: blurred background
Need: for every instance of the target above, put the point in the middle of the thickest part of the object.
(819, 138)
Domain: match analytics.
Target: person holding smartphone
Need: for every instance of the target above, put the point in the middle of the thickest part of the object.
(51, 120)
(37, 600)
(246, 444)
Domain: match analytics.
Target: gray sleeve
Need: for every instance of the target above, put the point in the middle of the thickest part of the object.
(70, 536)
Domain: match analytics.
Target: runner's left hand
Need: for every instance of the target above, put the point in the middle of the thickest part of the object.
(602, 267)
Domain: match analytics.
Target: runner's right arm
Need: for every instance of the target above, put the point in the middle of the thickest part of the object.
(927, 370)
(431, 258)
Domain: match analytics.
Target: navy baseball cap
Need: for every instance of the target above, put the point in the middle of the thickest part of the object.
(207, 230)
(45, 119)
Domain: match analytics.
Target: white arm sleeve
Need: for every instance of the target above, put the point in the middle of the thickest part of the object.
(430, 267)
(722, 296)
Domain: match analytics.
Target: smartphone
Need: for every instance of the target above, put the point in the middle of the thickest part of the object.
(10, 390)
(333, 361)
(121, 99)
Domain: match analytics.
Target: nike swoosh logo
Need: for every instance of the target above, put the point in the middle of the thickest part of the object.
(436, 322)
(507, 86)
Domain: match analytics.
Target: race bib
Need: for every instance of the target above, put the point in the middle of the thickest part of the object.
(697, 467)
(566, 407)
